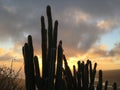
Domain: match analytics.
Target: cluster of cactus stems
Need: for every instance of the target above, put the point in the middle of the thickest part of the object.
(55, 76)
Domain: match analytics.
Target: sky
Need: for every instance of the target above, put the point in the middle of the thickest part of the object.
(89, 29)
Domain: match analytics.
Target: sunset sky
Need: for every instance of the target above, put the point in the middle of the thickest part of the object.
(89, 29)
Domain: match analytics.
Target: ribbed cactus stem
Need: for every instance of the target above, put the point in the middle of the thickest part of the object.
(74, 78)
(106, 85)
(94, 73)
(55, 32)
(26, 65)
(50, 34)
(74, 71)
(79, 66)
(29, 66)
(95, 65)
(49, 17)
(91, 73)
(59, 67)
(44, 48)
(83, 75)
(38, 80)
(99, 87)
(30, 44)
(37, 68)
(31, 52)
(86, 76)
(65, 61)
(54, 49)
(68, 75)
(79, 75)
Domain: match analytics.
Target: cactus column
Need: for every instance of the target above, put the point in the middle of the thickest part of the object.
(28, 64)
(58, 83)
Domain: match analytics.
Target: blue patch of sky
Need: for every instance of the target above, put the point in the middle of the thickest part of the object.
(111, 38)
(6, 45)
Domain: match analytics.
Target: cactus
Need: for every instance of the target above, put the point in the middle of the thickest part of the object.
(114, 86)
(58, 83)
(54, 75)
(44, 48)
(38, 80)
(86, 77)
(106, 85)
(68, 75)
(99, 86)
(28, 64)
(79, 76)
(49, 47)
(74, 78)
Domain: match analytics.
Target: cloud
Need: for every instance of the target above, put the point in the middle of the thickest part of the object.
(80, 34)
(81, 23)
(108, 24)
(13, 53)
(115, 51)
(16, 19)
(4, 55)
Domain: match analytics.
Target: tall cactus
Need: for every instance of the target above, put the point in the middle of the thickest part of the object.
(54, 75)
(38, 80)
(99, 86)
(68, 75)
(49, 47)
(58, 83)
(50, 37)
(28, 64)
(44, 48)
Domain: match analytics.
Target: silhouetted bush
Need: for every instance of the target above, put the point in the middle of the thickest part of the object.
(9, 79)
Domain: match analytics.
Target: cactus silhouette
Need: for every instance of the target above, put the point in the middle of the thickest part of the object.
(58, 83)
(99, 86)
(28, 64)
(106, 85)
(55, 75)
(114, 86)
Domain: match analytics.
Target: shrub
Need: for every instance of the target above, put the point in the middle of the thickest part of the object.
(9, 78)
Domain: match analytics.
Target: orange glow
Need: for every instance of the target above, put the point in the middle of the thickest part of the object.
(95, 54)
(15, 66)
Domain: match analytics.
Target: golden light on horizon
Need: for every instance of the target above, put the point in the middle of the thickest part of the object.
(95, 54)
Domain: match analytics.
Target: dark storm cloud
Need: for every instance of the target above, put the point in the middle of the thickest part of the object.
(21, 17)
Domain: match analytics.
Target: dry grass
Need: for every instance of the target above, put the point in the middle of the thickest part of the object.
(9, 79)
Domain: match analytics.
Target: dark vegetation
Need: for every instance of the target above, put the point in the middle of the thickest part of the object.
(54, 75)
(9, 79)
